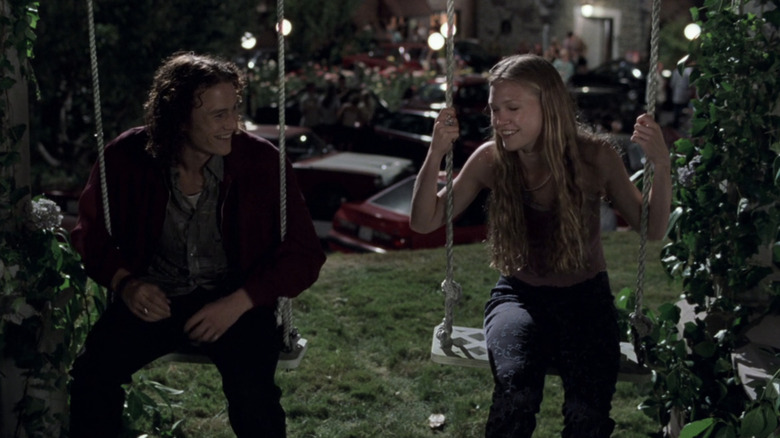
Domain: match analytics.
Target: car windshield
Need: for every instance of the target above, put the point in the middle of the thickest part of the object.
(399, 199)
(299, 147)
(409, 122)
(467, 95)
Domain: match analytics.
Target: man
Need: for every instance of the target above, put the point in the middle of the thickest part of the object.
(194, 252)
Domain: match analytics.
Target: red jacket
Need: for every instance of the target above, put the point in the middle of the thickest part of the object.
(249, 217)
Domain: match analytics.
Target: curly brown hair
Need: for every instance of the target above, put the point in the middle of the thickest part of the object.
(562, 141)
(175, 91)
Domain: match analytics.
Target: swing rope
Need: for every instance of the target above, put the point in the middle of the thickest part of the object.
(452, 290)
(98, 114)
(640, 323)
(284, 305)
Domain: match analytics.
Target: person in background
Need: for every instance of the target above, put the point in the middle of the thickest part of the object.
(194, 252)
(330, 104)
(564, 66)
(311, 110)
(552, 304)
(681, 93)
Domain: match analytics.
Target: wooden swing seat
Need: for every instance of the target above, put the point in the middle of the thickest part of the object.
(288, 360)
(469, 350)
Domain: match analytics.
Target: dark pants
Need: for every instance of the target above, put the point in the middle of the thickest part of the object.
(120, 344)
(574, 329)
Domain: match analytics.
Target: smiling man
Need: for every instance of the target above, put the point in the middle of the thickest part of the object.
(194, 252)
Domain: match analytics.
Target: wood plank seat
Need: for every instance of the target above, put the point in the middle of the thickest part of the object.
(469, 350)
(288, 360)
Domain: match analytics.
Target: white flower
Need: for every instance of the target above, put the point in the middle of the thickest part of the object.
(45, 214)
(10, 270)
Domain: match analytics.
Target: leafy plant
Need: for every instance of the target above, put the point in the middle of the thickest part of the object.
(725, 234)
(43, 298)
(143, 412)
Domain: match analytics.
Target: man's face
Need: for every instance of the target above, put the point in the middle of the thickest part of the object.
(213, 121)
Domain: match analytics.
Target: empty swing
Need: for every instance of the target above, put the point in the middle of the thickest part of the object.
(294, 346)
(465, 346)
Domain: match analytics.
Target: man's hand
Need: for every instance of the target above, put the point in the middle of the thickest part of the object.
(214, 319)
(146, 300)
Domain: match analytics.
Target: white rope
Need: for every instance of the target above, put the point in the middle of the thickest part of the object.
(452, 290)
(641, 324)
(284, 305)
(98, 115)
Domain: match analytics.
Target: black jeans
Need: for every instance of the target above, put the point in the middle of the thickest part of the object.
(574, 329)
(120, 344)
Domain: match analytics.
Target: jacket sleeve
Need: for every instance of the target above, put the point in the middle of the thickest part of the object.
(90, 237)
(296, 260)
(271, 266)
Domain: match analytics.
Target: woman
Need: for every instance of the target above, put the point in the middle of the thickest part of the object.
(552, 304)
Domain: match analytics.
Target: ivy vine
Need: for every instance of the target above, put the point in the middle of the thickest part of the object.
(724, 239)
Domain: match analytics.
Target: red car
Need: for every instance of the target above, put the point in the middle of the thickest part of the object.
(381, 223)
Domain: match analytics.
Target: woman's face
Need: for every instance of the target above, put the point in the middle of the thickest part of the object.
(515, 114)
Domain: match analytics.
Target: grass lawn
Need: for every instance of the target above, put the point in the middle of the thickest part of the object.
(369, 321)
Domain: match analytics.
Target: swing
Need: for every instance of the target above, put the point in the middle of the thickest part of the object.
(465, 346)
(294, 346)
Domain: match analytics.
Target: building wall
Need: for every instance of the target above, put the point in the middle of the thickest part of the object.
(466, 12)
(505, 27)
(511, 26)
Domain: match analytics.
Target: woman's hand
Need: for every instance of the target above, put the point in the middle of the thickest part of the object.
(445, 131)
(648, 135)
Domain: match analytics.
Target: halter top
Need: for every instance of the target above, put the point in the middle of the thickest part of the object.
(541, 221)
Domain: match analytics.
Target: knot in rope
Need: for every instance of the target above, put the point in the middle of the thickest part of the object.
(641, 323)
(452, 294)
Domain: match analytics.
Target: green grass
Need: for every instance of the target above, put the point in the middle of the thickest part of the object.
(369, 321)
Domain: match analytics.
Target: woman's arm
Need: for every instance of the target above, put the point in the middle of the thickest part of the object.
(627, 198)
(428, 204)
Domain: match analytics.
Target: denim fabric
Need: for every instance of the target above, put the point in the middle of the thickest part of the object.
(120, 344)
(574, 329)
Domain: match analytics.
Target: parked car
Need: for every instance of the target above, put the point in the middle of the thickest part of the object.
(300, 142)
(328, 177)
(381, 223)
(407, 133)
(611, 92)
(469, 94)
(330, 180)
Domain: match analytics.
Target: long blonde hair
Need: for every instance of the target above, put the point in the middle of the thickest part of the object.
(559, 138)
